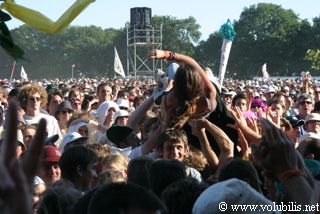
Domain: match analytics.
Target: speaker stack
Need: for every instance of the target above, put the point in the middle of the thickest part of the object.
(140, 24)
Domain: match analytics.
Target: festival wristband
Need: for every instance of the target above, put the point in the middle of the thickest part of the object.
(169, 55)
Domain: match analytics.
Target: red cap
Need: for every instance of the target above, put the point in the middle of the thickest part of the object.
(131, 98)
(51, 154)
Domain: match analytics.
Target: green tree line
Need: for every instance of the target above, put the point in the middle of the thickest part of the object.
(265, 33)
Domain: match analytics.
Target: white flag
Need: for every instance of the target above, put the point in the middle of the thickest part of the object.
(265, 73)
(23, 74)
(117, 64)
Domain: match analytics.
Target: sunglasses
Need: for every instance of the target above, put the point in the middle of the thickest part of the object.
(65, 112)
(305, 102)
(35, 99)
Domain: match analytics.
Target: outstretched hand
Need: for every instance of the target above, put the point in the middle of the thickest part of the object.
(275, 153)
(157, 54)
(16, 177)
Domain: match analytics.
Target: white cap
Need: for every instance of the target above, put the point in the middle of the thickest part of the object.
(120, 113)
(123, 103)
(68, 138)
(75, 128)
(226, 193)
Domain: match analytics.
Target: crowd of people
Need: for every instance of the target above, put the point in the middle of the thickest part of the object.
(174, 143)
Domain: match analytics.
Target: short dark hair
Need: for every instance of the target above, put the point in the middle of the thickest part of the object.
(54, 93)
(164, 172)
(240, 96)
(243, 170)
(138, 170)
(58, 200)
(117, 197)
(313, 147)
(101, 85)
(180, 196)
(72, 158)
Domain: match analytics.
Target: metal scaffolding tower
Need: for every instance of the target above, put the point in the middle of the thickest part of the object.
(140, 41)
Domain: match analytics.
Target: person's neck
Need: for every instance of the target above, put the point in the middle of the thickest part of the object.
(32, 113)
(63, 125)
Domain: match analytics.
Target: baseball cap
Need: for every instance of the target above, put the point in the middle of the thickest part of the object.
(70, 138)
(64, 105)
(120, 113)
(51, 154)
(294, 121)
(123, 103)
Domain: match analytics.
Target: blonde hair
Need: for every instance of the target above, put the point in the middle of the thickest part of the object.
(115, 159)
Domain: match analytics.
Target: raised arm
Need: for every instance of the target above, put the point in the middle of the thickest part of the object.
(137, 116)
(210, 90)
(199, 131)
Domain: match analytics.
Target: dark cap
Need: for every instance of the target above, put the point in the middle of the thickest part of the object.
(64, 105)
(116, 134)
(294, 121)
(51, 140)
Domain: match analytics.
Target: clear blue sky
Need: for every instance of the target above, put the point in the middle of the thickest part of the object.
(210, 14)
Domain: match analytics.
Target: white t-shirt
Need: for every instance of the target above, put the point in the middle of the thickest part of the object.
(52, 124)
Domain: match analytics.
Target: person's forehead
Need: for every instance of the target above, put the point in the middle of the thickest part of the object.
(29, 130)
(48, 163)
(56, 97)
(105, 88)
(174, 143)
(241, 100)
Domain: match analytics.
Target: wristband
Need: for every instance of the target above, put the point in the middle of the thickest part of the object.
(167, 54)
(285, 176)
(173, 54)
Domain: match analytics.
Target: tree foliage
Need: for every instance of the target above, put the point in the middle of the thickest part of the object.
(265, 33)
(314, 57)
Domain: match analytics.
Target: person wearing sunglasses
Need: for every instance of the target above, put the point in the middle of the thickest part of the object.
(64, 114)
(305, 106)
(33, 99)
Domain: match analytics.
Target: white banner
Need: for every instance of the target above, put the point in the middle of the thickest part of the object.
(23, 74)
(117, 64)
(265, 73)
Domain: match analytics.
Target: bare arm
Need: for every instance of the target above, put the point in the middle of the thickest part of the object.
(137, 116)
(199, 131)
(223, 141)
(276, 155)
(210, 90)
(148, 146)
(240, 122)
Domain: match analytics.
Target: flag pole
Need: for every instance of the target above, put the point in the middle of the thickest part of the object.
(12, 70)
(72, 71)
